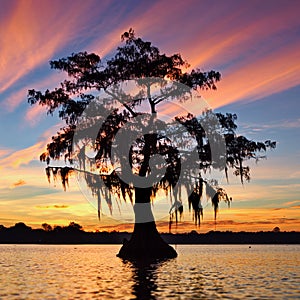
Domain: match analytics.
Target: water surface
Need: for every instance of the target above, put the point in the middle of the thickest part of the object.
(199, 272)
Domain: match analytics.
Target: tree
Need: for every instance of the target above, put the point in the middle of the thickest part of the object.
(276, 229)
(21, 226)
(74, 226)
(158, 78)
(47, 227)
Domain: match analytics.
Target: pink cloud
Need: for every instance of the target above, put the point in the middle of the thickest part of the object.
(255, 47)
(291, 202)
(23, 156)
(264, 77)
(34, 114)
(14, 159)
(31, 35)
(4, 152)
(20, 96)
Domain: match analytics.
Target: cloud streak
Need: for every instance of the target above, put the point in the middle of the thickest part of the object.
(35, 31)
(264, 77)
(254, 48)
(19, 183)
(24, 156)
(52, 206)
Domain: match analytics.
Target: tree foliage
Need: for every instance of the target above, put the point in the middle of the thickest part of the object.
(139, 60)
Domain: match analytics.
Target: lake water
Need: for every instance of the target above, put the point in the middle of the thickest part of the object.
(199, 272)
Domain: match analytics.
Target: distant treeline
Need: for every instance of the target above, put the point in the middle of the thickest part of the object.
(74, 234)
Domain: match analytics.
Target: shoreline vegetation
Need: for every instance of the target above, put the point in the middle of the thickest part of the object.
(20, 233)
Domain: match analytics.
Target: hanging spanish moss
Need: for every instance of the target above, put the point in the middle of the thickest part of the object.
(184, 144)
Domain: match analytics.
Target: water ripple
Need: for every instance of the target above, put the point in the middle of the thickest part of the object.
(199, 272)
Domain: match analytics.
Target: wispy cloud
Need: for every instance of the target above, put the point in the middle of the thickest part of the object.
(34, 115)
(14, 159)
(35, 31)
(15, 98)
(23, 156)
(291, 203)
(278, 124)
(4, 152)
(19, 183)
(52, 206)
(258, 79)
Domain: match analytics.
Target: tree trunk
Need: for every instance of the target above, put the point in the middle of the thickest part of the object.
(145, 243)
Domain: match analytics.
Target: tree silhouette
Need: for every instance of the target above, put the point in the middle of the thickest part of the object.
(154, 79)
(74, 226)
(47, 227)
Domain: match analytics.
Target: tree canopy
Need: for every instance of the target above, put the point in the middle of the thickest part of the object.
(185, 144)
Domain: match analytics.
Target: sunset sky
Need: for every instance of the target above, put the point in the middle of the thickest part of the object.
(255, 45)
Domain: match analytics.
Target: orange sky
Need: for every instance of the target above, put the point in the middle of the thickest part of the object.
(255, 45)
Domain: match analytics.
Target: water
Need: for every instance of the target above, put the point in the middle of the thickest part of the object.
(199, 272)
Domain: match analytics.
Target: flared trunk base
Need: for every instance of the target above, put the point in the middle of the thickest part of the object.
(146, 244)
